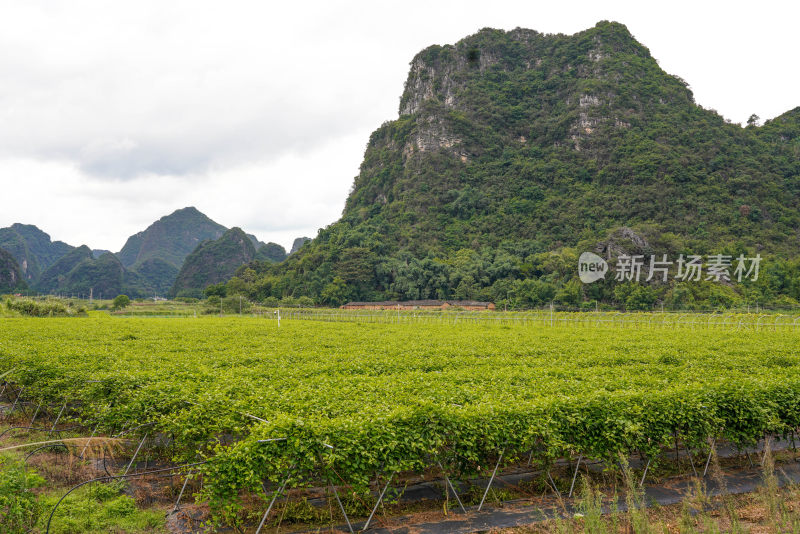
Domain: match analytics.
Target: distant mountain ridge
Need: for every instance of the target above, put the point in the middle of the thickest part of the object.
(147, 265)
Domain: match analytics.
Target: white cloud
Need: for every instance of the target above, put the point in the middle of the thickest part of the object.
(113, 114)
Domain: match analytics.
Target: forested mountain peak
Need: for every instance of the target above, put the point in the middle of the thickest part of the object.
(171, 238)
(440, 74)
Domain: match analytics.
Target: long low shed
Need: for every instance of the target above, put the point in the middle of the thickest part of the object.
(471, 305)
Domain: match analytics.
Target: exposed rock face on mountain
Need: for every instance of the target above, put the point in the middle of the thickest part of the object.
(32, 249)
(213, 262)
(298, 243)
(512, 145)
(11, 278)
(623, 241)
(171, 238)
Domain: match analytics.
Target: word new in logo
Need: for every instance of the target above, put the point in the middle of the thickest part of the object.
(591, 267)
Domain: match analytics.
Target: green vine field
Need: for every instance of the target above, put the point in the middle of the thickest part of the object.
(347, 402)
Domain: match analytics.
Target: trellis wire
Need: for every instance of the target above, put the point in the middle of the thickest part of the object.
(663, 320)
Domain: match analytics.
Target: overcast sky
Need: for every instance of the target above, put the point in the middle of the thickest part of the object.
(113, 114)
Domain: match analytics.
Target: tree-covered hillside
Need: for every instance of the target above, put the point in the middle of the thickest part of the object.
(32, 249)
(80, 273)
(171, 238)
(157, 274)
(11, 278)
(55, 276)
(271, 252)
(213, 262)
(515, 151)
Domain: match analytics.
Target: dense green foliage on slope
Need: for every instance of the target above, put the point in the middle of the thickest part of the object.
(79, 272)
(515, 151)
(55, 275)
(157, 274)
(32, 248)
(271, 252)
(11, 277)
(213, 262)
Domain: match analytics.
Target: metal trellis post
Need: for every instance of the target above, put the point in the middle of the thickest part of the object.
(452, 488)
(575, 476)
(135, 454)
(63, 406)
(180, 495)
(271, 503)
(491, 479)
(380, 498)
